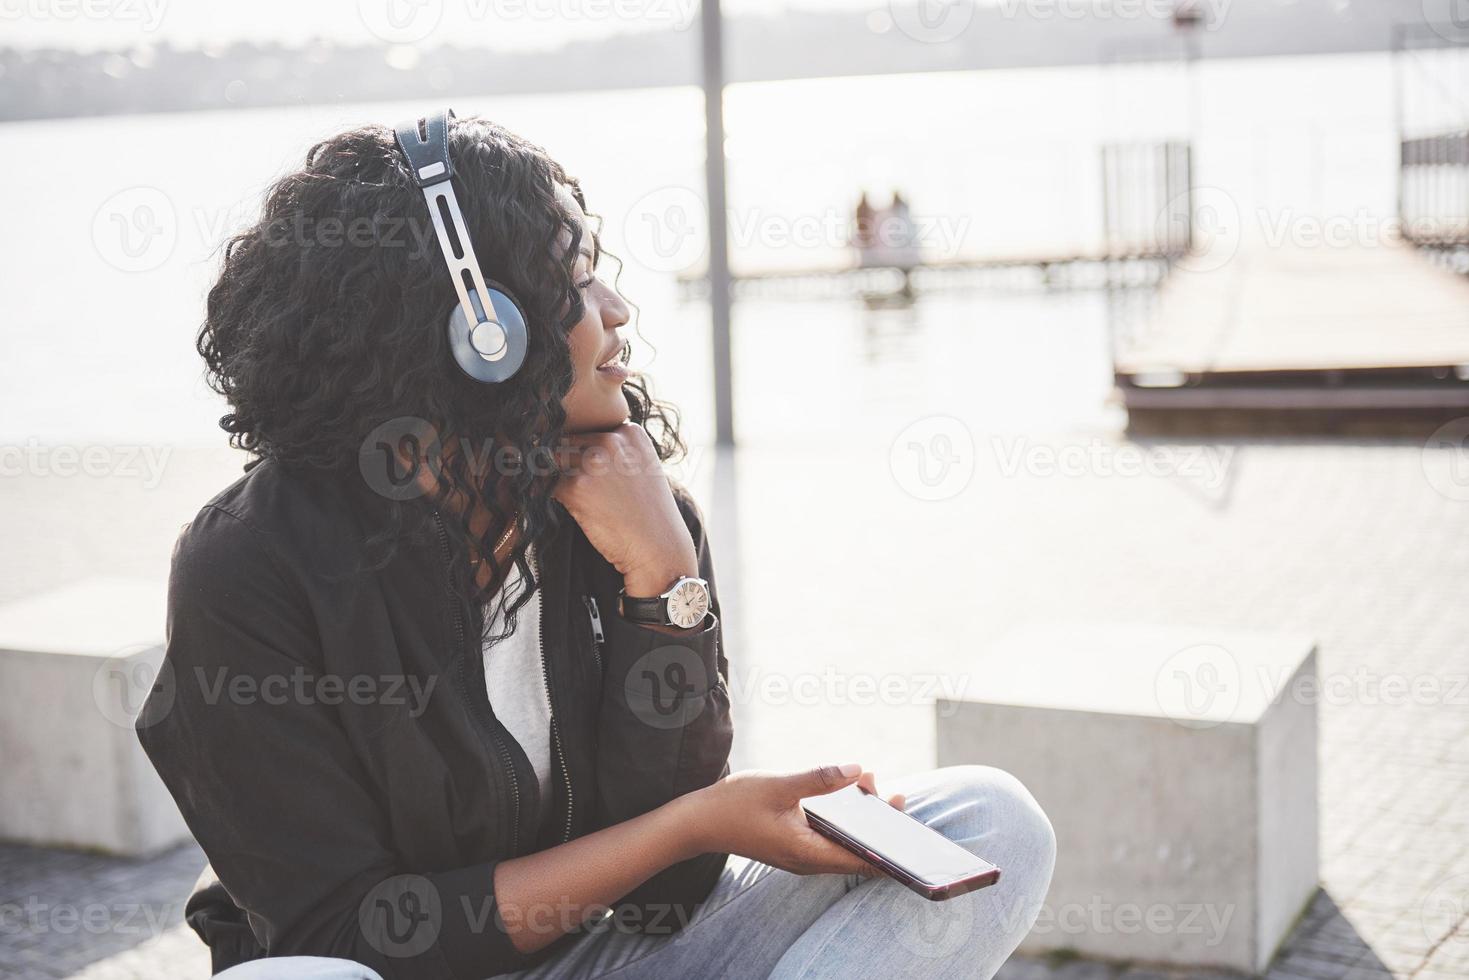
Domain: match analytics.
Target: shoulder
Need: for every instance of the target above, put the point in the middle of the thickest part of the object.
(270, 519)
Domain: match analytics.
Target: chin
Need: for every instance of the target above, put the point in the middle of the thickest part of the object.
(599, 419)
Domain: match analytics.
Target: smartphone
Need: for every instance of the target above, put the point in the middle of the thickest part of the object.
(907, 850)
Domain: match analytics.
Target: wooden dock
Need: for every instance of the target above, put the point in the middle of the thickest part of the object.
(1062, 269)
(1371, 340)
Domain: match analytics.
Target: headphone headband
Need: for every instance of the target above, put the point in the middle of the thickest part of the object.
(487, 333)
(428, 158)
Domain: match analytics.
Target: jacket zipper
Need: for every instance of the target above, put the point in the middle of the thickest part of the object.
(598, 637)
(550, 705)
(500, 747)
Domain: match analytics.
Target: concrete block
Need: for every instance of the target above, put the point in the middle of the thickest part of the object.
(1179, 769)
(75, 665)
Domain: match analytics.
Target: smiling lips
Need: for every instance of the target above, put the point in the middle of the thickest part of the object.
(614, 359)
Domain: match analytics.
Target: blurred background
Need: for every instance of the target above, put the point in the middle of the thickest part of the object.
(1041, 322)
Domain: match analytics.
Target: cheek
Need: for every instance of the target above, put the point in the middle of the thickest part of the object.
(585, 341)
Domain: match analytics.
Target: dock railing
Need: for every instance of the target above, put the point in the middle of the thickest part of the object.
(1147, 199)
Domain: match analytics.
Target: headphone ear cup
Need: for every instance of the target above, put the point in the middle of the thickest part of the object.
(485, 351)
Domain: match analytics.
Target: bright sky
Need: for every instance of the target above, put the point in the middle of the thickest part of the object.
(506, 24)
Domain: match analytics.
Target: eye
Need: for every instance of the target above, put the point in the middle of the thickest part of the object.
(587, 283)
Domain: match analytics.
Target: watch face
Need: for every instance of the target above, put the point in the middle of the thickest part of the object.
(687, 603)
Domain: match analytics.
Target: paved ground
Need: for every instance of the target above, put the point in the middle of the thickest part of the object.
(1363, 545)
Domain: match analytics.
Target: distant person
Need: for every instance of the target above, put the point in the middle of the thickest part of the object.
(443, 696)
(899, 236)
(863, 230)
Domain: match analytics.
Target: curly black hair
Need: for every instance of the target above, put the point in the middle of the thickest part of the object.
(327, 322)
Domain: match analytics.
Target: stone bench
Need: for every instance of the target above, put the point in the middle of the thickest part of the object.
(1178, 767)
(75, 665)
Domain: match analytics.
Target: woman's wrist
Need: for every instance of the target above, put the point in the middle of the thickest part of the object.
(653, 579)
(697, 817)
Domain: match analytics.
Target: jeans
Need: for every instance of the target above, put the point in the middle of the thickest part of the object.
(761, 922)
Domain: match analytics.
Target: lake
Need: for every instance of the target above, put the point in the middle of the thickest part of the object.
(107, 269)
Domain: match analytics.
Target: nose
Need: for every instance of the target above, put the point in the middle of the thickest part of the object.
(615, 312)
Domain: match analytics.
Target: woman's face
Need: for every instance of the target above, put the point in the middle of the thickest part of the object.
(595, 401)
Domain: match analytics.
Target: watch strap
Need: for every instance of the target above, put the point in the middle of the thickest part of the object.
(653, 611)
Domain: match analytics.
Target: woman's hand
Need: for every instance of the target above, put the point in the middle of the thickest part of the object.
(758, 815)
(614, 487)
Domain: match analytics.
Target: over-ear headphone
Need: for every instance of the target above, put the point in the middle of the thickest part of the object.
(488, 342)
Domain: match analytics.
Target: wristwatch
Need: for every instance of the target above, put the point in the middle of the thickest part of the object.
(684, 605)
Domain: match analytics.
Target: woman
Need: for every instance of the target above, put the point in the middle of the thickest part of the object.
(426, 708)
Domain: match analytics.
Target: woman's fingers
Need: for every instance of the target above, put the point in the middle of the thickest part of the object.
(868, 781)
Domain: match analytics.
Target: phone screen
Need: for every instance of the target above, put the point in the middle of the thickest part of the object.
(924, 853)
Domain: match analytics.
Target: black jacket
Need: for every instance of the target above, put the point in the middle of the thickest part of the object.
(325, 731)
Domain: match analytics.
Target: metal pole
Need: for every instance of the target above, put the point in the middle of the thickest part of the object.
(712, 28)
